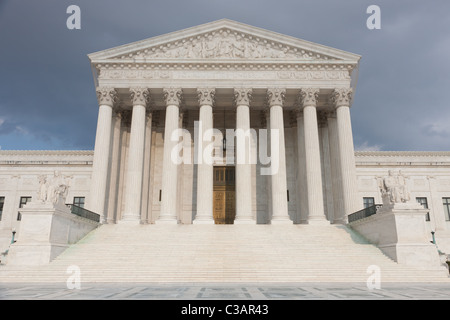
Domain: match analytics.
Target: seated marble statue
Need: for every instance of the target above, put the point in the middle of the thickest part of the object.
(52, 190)
(394, 189)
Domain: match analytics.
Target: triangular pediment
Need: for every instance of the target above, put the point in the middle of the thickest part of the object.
(223, 40)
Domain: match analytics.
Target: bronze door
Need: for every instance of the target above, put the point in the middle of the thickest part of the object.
(224, 203)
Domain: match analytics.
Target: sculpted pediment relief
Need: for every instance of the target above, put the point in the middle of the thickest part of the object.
(225, 44)
(223, 40)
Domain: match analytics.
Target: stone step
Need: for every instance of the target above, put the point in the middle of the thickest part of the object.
(225, 253)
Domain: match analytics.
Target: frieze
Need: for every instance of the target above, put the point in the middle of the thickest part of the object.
(122, 74)
(133, 74)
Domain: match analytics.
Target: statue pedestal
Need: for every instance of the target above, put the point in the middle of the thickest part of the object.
(399, 230)
(46, 230)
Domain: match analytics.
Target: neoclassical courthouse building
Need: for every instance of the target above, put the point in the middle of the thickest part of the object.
(274, 101)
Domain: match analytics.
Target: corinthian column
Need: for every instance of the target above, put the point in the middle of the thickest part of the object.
(205, 165)
(302, 192)
(243, 165)
(341, 100)
(169, 196)
(280, 213)
(335, 160)
(135, 168)
(308, 101)
(114, 168)
(106, 99)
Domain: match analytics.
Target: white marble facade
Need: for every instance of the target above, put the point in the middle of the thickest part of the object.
(253, 78)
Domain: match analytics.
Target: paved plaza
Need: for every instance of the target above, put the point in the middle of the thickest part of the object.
(300, 291)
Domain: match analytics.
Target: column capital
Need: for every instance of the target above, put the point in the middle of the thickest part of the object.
(140, 96)
(173, 96)
(276, 96)
(341, 97)
(308, 97)
(107, 96)
(206, 96)
(242, 96)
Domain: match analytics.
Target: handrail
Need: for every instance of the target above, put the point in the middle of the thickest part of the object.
(84, 213)
(364, 213)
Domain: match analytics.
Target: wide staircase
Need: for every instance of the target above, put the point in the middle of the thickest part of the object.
(221, 253)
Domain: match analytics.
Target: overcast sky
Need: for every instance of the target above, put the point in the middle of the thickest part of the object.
(47, 94)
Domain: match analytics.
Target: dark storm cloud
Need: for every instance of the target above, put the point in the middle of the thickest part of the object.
(47, 90)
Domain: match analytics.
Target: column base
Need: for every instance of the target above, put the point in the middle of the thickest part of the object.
(318, 222)
(282, 221)
(130, 218)
(203, 221)
(244, 221)
(340, 221)
(131, 222)
(166, 221)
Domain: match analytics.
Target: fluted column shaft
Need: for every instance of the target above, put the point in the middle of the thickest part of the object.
(335, 170)
(97, 197)
(268, 177)
(279, 182)
(146, 195)
(316, 214)
(135, 165)
(243, 165)
(341, 99)
(302, 183)
(169, 196)
(205, 166)
(114, 171)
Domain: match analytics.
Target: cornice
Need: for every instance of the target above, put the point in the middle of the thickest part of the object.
(225, 64)
(46, 152)
(250, 70)
(402, 153)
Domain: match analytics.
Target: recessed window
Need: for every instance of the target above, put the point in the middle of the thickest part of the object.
(368, 202)
(23, 201)
(79, 201)
(424, 202)
(446, 203)
(2, 202)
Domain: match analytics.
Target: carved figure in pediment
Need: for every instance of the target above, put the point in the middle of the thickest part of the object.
(239, 48)
(210, 47)
(226, 48)
(197, 50)
(251, 50)
(224, 44)
(183, 51)
(269, 52)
